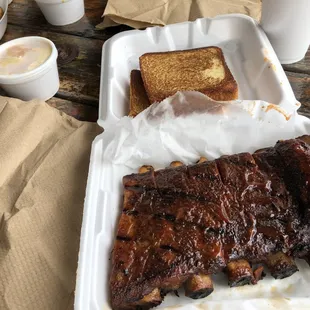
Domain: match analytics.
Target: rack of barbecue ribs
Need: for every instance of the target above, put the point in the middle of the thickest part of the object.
(236, 214)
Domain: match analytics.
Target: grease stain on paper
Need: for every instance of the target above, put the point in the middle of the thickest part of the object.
(278, 109)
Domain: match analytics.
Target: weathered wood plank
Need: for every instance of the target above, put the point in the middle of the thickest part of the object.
(80, 76)
(301, 87)
(77, 110)
(302, 66)
(26, 13)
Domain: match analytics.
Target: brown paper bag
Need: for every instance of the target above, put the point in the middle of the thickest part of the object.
(44, 158)
(143, 13)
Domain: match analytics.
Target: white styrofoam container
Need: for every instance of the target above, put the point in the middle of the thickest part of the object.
(246, 48)
(103, 205)
(259, 75)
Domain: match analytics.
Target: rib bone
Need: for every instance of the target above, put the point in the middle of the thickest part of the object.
(239, 273)
(176, 164)
(198, 286)
(202, 160)
(151, 300)
(280, 265)
(145, 168)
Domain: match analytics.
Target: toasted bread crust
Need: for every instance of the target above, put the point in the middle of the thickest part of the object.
(139, 100)
(195, 69)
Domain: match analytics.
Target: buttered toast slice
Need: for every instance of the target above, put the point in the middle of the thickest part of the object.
(201, 69)
(138, 97)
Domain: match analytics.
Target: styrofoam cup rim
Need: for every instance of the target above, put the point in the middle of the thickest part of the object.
(5, 10)
(53, 1)
(21, 77)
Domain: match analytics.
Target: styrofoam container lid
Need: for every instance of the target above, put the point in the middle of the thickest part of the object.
(246, 48)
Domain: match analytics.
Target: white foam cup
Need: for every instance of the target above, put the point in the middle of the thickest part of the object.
(62, 12)
(287, 25)
(41, 82)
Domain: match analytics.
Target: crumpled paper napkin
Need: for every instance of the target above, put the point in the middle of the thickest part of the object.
(143, 13)
(44, 158)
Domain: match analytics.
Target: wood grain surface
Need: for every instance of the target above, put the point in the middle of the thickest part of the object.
(79, 46)
(26, 13)
(80, 111)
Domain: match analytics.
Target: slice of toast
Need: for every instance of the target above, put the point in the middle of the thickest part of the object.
(139, 100)
(201, 69)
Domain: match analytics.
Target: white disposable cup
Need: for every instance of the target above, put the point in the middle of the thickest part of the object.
(62, 12)
(4, 18)
(287, 25)
(41, 82)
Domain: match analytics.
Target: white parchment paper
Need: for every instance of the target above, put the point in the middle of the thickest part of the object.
(189, 125)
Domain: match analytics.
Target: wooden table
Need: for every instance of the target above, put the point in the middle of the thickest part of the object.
(79, 61)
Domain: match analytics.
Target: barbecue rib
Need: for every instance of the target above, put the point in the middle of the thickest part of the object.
(182, 224)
